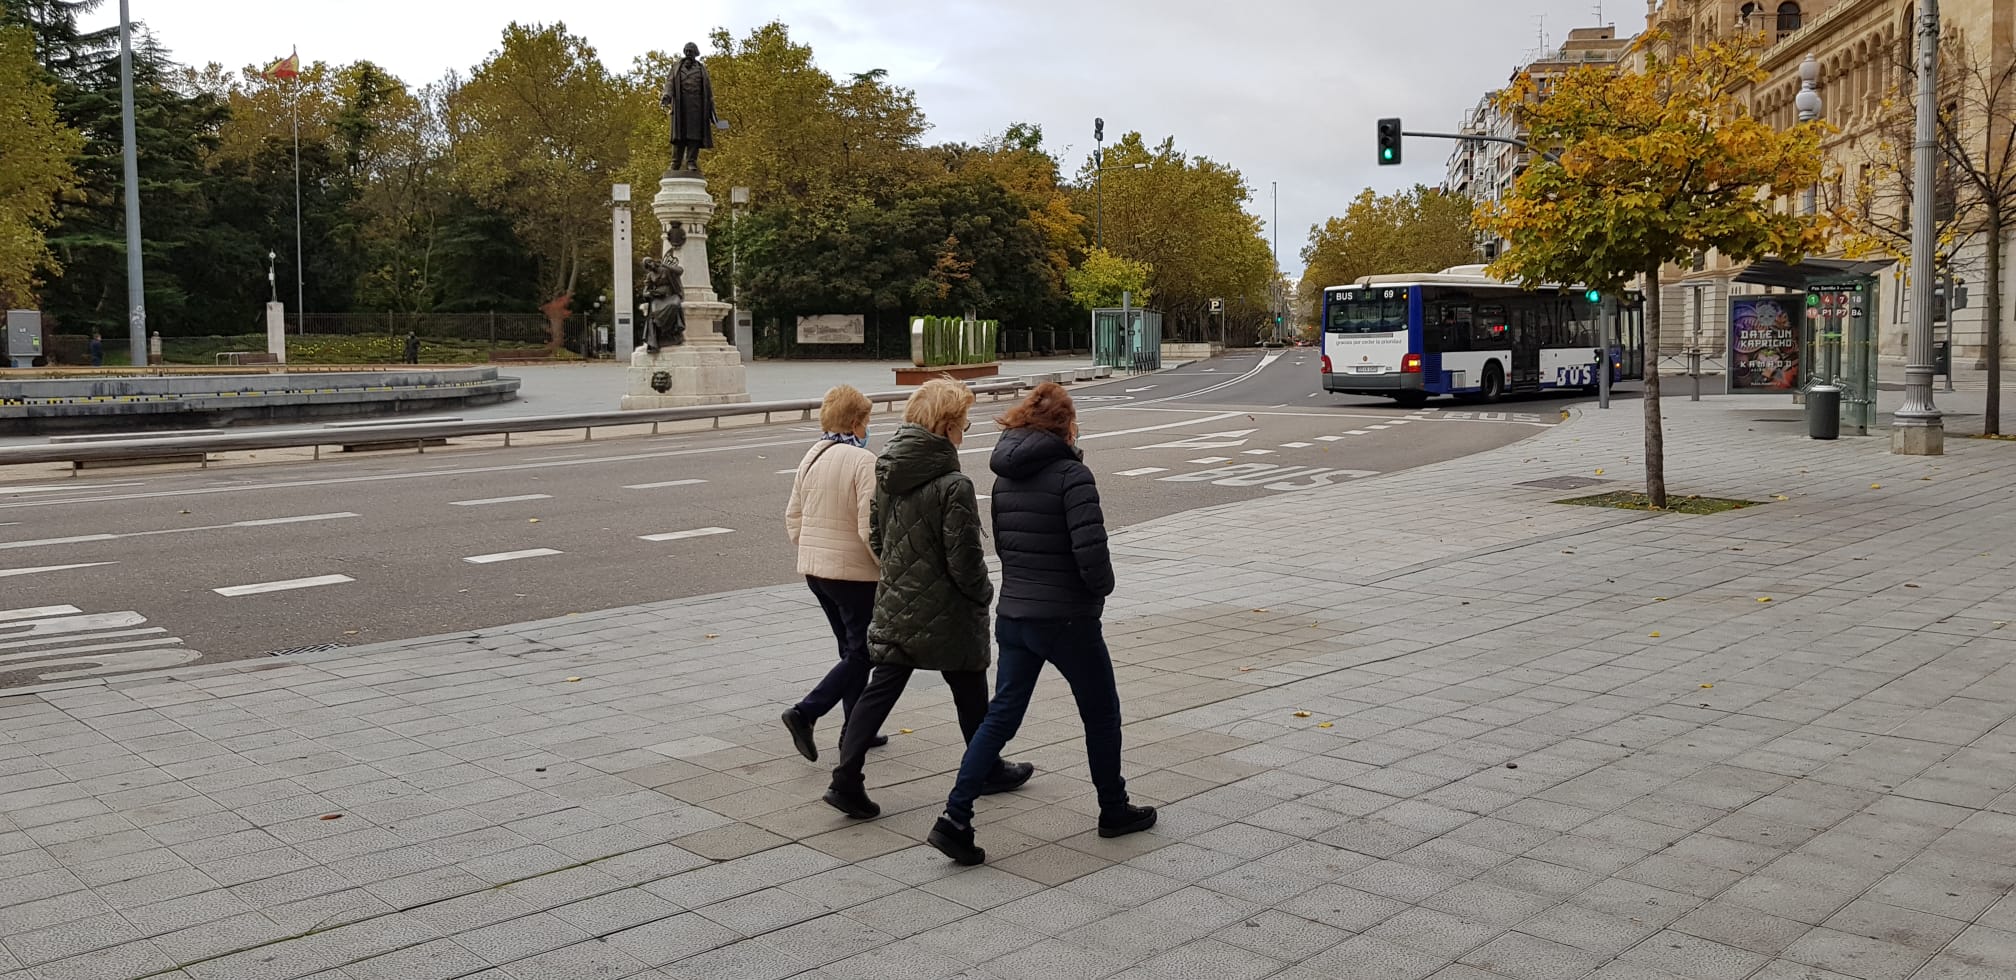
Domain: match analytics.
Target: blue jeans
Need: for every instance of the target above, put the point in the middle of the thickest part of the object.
(847, 605)
(1077, 648)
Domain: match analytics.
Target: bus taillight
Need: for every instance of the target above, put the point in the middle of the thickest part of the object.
(1411, 364)
(1326, 364)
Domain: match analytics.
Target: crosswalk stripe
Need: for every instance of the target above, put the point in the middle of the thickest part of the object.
(1143, 471)
(667, 483)
(11, 572)
(501, 500)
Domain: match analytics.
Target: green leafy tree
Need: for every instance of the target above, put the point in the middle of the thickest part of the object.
(1420, 230)
(1103, 279)
(1653, 167)
(545, 133)
(35, 168)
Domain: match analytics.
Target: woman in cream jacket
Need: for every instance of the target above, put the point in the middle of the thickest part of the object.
(828, 520)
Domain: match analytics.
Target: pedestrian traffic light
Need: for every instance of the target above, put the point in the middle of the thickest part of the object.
(1594, 296)
(1389, 141)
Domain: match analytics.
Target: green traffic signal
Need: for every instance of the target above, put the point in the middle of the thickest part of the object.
(1594, 296)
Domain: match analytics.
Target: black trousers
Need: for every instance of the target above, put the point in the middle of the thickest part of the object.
(885, 686)
(848, 606)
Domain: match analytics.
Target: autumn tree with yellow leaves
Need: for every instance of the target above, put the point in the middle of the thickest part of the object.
(1646, 168)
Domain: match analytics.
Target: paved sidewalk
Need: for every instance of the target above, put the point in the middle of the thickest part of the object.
(1542, 742)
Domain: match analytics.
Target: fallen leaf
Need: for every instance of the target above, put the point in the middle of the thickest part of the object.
(1244, 669)
(1322, 724)
(1654, 635)
(713, 636)
(1259, 610)
(1779, 496)
(1301, 714)
(1763, 598)
(1910, 585)
(349, 632)
(332, 816)
(1599, 472)
(1706, 686)
(532, 520)
(1659, 598)
(1511, 765)
(906, 731)
(1875, 486)
(1925, 479)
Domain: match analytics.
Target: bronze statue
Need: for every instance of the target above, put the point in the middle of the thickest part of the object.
(689, 98)
(664, 294)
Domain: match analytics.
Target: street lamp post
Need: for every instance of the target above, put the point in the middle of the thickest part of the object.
(272, 280)
(1918, 428)
(1808, 104)
(136, 292)
(1098, 182)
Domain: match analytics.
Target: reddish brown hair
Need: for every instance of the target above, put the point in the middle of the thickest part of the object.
(1048, 408)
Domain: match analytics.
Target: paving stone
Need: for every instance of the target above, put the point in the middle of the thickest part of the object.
(1692, 956)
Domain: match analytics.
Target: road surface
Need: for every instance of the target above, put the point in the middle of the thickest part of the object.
(144, 568)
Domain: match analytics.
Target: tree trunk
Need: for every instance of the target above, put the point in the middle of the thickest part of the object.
(1655, 437)
(1992, 420)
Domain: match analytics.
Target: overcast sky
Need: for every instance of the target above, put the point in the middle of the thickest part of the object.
(1283, 90)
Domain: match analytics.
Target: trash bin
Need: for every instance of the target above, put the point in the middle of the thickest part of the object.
(1942, 358)
(1823, 412)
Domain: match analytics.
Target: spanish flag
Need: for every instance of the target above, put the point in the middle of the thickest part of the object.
(288, 67)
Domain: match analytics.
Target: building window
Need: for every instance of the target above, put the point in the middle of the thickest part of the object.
(1743, 16)
(1788, 18)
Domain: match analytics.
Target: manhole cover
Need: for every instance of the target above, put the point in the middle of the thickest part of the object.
(317, 648)
(1562, 483)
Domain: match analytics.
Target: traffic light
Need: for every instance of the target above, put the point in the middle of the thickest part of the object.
(1389, 141)
(1593, 296)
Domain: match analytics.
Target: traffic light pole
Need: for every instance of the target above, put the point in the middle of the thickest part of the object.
(1549, 155)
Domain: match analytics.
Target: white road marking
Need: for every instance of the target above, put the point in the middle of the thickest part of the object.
(793, 471)
(85, 538)
(1358, 432)
(698, 532)
(1270, 476)
(983, 496)
(1258, 452)
(68, 487)
(1296, 445)
(284, 586)
(667, 483)
(1329, 438)
(1219, 417)
(510, 556)
(1209, 440)
(1137, 390)
(1143, 471)
(274, 521)
(11, 572)
(1401, 421)
(1208, 460)
(1378, 426)
(37, 612)
(45, 637)
(500, 500)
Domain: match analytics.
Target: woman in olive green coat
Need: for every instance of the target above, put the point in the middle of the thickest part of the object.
(931, 605)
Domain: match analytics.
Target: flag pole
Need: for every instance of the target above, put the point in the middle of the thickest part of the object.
(300, 288)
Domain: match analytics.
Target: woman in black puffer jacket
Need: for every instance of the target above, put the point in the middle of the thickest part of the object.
(1055, 577)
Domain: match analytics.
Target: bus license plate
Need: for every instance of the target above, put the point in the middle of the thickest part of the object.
(1368, 369)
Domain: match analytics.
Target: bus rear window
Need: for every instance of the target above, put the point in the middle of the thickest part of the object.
(1361, 313)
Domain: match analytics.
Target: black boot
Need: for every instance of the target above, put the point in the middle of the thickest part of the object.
(955, 842)
(852, 801)
(1007, 776)
(801, 734)
(1125, 819)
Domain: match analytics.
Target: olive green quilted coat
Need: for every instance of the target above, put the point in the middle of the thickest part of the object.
(931, 605)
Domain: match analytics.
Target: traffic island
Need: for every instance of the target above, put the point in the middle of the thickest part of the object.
(907, 376)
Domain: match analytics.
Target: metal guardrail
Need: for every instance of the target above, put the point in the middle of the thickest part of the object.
(418, 434)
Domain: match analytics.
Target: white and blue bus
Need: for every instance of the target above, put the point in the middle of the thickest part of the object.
(1460, 332)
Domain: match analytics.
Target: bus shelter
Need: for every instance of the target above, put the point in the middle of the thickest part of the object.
(1834, 340)
(1127, 339)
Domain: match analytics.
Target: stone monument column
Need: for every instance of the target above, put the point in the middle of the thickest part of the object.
(706, 369)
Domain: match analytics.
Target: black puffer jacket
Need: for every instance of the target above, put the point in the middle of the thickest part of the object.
(931, 605)
(1049, 529)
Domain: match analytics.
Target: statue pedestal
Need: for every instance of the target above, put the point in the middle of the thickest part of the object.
(706, 370)
(694, 374)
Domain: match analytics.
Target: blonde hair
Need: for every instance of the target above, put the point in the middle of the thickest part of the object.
(844, 409)
(939, 405)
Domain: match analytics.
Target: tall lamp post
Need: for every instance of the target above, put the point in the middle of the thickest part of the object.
(1808, 104)
(136, 292)
(1918, 429)
(1098, 184)
(272, 281)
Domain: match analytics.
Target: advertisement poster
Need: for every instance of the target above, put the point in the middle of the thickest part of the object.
(832, 328)
(1763, 343)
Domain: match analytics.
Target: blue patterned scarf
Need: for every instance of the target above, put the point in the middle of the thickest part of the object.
(847, 437)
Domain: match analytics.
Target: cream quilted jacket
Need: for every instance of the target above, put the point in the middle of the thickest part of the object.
(828, 514)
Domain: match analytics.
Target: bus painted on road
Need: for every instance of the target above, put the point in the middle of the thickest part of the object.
(1460, 332)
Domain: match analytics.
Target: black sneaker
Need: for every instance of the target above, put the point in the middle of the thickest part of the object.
(1007, 776)
(955, 843)
(1124, 820)
(852, 802)
(801, 734)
